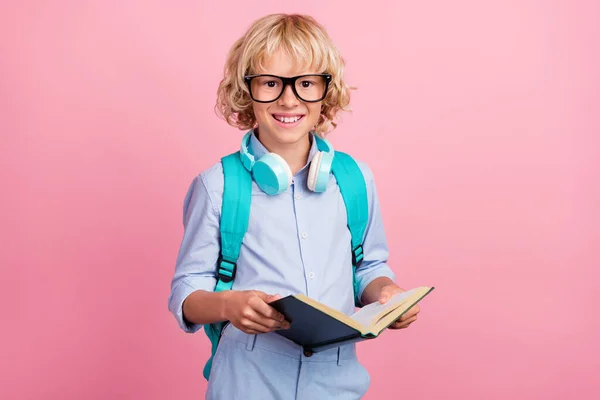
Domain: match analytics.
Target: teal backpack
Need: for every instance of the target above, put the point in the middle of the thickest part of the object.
(237, 196)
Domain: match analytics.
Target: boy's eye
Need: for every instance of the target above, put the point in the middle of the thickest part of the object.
(270, 84)
(307, 84)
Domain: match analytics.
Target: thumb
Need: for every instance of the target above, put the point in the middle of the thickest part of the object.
(262, 295)
(267, 298)
(384, 296)
(274, 297)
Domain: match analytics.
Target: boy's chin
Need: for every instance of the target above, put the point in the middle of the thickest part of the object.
(296, 131)
(292, 136)
(288, 135)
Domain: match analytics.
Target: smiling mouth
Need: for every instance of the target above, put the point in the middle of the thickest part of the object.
(287, 120)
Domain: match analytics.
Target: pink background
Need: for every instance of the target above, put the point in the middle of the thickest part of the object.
(479, 119)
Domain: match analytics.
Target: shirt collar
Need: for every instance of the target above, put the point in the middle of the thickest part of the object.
(259, 150)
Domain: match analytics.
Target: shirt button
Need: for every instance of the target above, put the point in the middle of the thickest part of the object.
(304, 235)
(308, 353)
(311, 275)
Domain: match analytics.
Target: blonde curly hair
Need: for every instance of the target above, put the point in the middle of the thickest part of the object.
(304, 39)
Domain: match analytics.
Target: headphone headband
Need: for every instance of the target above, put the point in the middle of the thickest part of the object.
(323, 144)
(246, 155)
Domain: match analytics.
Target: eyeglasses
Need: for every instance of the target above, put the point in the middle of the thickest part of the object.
(266, 88)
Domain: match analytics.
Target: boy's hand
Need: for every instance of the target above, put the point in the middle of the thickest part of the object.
(409, 317)
(250, 312)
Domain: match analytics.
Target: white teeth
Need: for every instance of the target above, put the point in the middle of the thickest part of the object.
(288, 120)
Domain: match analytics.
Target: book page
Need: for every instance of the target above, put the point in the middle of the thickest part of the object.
(387, 319)
(340, 316)
(369, 314)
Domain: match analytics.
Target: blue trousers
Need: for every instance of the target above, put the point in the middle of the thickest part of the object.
(269, 366)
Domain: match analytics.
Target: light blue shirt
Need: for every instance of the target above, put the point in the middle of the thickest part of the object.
(297, 242)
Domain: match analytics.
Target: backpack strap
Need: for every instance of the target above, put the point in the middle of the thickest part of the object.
(354, 192)
(235, 213)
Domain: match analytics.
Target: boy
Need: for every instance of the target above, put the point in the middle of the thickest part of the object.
(284, 83)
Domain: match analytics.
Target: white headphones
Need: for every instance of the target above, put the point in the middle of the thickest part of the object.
(273, 174)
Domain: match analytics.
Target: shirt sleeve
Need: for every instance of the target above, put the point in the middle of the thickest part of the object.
(197, 258)
(375, 246)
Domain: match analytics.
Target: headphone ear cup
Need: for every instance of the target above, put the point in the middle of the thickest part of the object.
(318, 174)
(313, 171)
(272, 174)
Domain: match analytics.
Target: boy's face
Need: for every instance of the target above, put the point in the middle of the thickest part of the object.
(271, 129)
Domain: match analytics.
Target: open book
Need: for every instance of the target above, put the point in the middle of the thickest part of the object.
(317, 327)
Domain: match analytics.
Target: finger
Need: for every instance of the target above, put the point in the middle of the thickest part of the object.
(385, 295)
(387, 292)
(253, 320)
(251, 331)
(267, 298)
(264, 309)
(273, 298)
(396, 325)
(267, 322)
(399, 324)
(251, 327)
(404, 324)
(262, 295)
(410, 313)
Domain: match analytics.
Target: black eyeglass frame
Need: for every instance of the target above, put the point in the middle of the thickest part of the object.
(288, 81)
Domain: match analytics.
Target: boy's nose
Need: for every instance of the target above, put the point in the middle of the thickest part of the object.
(288, 98)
